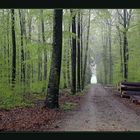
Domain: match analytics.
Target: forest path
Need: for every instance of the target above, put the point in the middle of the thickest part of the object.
(100, 111)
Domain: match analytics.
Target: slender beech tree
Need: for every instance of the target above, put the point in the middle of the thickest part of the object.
(81, 44)
(125, 45)
(54, 78)
(39, 54)
(121, 51)
(109, 23)
(124, 17)
(27, 53)
(22, 47)
(73, 55)
(86, 52)
(13, 48)
(64, 56)
(78, 57)
(64, 68)
(126, 21)
(8, 45)
(68, 57)
(105, 62)
(4, 44)
(43, 40)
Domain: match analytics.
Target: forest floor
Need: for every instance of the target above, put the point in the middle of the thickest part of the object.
(100, 109)
(37, 118)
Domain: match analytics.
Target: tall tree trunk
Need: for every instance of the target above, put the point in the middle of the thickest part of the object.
(104, 41)
(125, 46)
(105, 63)
(79, 57)
(4, 46)
(29, 41)
(68, 59)
(121, 52)
(8, 44)
(86, 52)
(64, 59)
(39, 56)
(43, 40)
(110, 57)
(81, 45)
(54, 78)
(64, 67)
(30, 29)
(22, 48)
(27, 55)
(73, 53)
(13, 48)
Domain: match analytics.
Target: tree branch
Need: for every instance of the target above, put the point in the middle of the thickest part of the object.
(119, 14)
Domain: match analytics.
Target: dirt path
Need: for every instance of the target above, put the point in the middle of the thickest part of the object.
(99, 111)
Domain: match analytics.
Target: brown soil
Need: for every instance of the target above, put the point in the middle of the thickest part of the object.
(34, 118)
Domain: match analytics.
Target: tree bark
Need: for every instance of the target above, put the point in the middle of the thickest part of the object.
(8, 44)
(110, 56)
(43, 40)
(81, 45)
(79, 57)
(39, 55)
(22, 48)
(104, 41)
(64, 59)
(13, 48)
(27, 54)
(73, 53)
(121, 52)
(86, 52)
(64, 67)
(68, 59)
(125, 46)
(54, 78)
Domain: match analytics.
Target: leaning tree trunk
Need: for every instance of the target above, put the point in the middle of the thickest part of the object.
(73, 84)
(54, 78)
(13, 48)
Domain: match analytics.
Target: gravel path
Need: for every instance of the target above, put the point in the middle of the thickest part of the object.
(100, 111)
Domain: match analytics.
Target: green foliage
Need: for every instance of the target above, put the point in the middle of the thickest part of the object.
(35, 48)
(133, 34)
(10, 99)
